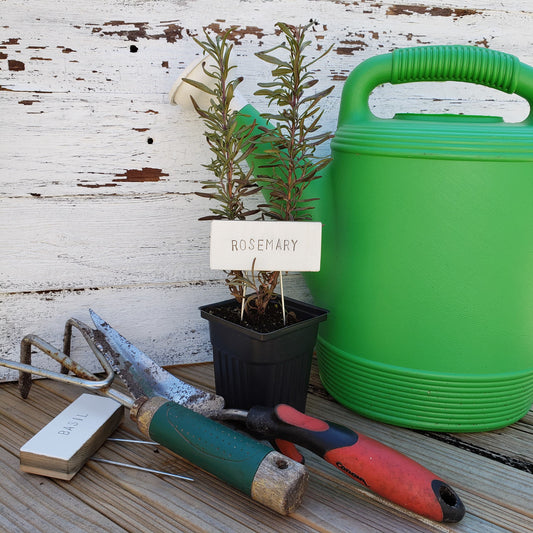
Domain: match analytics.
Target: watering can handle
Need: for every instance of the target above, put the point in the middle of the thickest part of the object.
(470, 64)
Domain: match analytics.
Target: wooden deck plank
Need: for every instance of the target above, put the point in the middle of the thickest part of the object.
(497, 496)
(345, 507)
(475, 477)
(31, 503)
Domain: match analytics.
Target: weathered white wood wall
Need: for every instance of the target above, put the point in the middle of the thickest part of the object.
(97, 204)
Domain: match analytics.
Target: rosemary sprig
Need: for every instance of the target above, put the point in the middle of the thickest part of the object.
(289, 164)
(291, 161)
(232, 180)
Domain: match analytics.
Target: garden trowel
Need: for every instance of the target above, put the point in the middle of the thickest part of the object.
(372, 464)
(144, 377)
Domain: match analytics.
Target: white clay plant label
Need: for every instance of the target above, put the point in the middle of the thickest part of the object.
(273, 245)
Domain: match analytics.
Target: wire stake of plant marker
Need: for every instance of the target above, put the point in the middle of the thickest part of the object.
(243, 301)
(282, 298)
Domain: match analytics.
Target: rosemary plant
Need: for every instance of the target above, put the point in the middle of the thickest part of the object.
(229, 144)
(232, 180)
(292, 160)
(289, 164)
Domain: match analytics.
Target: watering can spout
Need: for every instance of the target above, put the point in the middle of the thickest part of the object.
(181, 92)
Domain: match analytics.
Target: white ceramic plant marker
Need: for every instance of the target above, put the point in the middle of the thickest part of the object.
(267, 245)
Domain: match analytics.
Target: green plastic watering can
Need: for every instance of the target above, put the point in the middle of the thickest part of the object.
(427, 260)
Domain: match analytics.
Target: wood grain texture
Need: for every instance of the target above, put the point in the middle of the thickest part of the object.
(107, 498)
(97, 201)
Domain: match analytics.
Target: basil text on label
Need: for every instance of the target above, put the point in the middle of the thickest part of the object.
(71, 424)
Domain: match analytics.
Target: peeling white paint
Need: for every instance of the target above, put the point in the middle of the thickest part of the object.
(98, 170)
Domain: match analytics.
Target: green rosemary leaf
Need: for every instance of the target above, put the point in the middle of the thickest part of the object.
(202, 86)
(211, 217)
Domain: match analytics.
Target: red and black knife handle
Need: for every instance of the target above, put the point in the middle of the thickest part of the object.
(382, 469)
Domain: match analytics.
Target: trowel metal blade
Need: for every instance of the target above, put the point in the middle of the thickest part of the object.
(144, 377)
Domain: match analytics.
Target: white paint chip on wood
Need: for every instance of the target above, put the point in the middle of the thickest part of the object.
(99, 170)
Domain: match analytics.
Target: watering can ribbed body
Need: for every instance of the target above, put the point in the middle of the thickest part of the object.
(427, 261)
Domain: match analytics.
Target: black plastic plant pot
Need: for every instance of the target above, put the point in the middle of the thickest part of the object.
(253, 368)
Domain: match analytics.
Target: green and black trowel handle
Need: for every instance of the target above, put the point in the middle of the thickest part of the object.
(245, 463)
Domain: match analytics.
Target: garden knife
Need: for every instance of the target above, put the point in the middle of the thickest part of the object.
(245, 463)
(378, 467)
